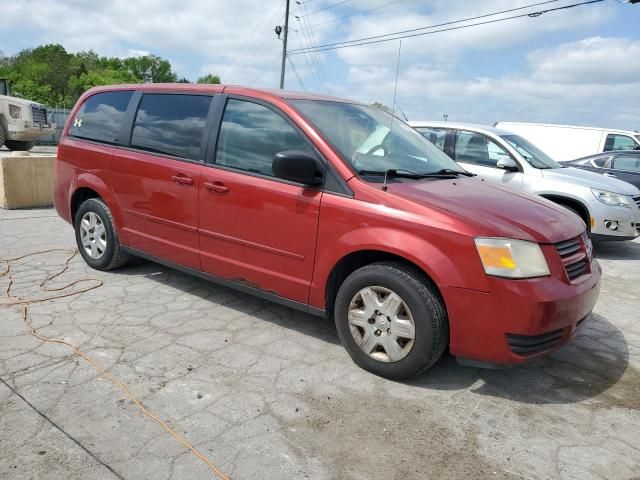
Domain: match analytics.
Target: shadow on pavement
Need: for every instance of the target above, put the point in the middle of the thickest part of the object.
(617, 250)
(592, 363)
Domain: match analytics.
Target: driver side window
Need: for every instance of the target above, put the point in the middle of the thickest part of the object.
(477, 149)
(251, 135)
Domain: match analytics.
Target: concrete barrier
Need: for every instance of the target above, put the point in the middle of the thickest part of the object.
(26, 180)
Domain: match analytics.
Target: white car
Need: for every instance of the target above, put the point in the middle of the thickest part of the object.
(609, 207)
(568, 142)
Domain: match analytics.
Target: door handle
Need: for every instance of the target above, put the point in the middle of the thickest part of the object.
(609, 175)
(217, 187)
(182, 179)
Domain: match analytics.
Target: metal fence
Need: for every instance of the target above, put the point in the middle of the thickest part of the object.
(59, 117)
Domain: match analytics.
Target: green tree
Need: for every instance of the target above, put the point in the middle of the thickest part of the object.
(380, 106)
(150, 69)
(209, 78)
(49, 74)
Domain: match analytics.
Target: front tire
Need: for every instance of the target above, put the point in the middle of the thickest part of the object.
(391, 320)
(96, 236)
(20, 146)
(3, 135)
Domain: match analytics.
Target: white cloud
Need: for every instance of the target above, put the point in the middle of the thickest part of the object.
(598, 60)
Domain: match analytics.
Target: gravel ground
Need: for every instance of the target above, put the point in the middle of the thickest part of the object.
(266, 392)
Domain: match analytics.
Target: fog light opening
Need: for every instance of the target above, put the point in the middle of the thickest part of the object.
(611, 225)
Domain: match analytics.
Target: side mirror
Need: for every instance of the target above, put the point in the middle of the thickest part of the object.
(297, 166)
(508, 164)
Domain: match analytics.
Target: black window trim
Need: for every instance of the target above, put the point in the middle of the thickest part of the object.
(342, 188)
(455, 141)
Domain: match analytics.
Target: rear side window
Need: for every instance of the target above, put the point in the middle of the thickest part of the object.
(101, 116)
(436, 136)
(627, 162)
(251, 135)
(171, 124)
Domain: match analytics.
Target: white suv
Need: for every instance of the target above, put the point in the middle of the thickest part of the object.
(609, 207)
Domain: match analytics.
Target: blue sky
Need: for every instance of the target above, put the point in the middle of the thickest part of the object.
(580, 65)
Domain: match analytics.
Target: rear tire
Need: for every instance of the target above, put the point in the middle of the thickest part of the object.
(96, 236)
(393, 345)
(3, 135)
(20, 146)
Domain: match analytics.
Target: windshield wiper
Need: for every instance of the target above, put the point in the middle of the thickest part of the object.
(392, 173)
(448, 171)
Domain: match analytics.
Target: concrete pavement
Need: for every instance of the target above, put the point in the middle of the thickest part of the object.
(267, 392)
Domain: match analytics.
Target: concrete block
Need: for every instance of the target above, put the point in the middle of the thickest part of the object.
(26, 180)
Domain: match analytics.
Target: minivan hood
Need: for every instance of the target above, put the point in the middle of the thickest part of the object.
(590, 179)
(498, 211)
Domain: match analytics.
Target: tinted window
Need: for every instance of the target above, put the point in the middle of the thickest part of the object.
(627, 162)
(101, 116)
(477, 149)
(619, 142)
(171, 124)
(436, 136)
(599, 162)
(251, 135)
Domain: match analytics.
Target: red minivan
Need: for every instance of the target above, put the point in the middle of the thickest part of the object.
(328, 206)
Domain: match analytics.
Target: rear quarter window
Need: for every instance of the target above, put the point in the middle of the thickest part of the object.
(100, 117)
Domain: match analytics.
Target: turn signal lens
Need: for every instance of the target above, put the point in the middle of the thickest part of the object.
(504, 257)
(496, 257)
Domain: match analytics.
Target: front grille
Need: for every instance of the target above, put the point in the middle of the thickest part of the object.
(573, 254)
(39, 114)
(532, 344)
(637, 201)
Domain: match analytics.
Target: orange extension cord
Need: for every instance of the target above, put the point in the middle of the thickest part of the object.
(12, 300)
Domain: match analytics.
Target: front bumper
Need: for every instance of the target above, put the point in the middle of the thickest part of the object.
(23, 130)
(627, 222)
(518, 319)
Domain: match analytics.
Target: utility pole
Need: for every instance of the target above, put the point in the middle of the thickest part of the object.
(284, 45)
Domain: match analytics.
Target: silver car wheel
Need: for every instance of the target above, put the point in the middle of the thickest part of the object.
(381, 324)
(93, 235)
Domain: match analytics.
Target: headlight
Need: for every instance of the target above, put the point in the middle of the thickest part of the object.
(503, 257)
(15, 111)
(610, 198)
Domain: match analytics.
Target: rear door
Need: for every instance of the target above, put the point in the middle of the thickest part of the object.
(256, 229)
(625, 167)
(479, 154)
(157, 176)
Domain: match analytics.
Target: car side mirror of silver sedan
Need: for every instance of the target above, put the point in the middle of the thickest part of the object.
(508, 164)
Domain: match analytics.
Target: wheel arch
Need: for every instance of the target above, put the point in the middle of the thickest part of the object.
(91, 186)
(577, 205)
(361, 258)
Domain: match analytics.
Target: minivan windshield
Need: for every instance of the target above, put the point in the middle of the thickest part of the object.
(532, 154)
(375, 142)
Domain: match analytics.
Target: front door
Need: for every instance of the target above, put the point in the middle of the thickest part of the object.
(156, 179)
(256, 229)
(479, 154)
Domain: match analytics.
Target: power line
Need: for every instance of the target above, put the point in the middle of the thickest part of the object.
(251, 42)
(312, 36)
(309, 37)
(361, 12)
(309, 59)
(367, 41)
(333, 5)
(451, 22)
(295, 71)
